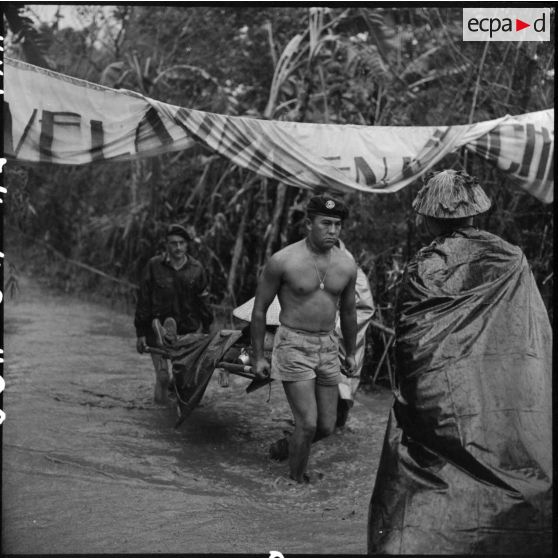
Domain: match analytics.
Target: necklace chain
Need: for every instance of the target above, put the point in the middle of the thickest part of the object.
(320, 279)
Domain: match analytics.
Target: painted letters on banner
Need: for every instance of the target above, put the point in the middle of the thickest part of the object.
(50, 117)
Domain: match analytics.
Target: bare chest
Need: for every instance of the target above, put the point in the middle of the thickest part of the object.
(306, 277)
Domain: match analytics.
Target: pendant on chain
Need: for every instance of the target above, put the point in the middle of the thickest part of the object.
(320, 278)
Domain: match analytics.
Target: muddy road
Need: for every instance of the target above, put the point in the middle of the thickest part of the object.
(91, 465)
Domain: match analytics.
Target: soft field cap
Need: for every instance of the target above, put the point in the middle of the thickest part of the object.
(451, 194)
(178, 230)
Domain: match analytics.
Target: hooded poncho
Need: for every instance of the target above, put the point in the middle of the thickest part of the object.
(466, 466)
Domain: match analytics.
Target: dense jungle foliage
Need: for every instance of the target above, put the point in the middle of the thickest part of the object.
(360, 65)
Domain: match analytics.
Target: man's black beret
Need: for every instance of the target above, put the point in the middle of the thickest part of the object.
(326, 205)
(178, 230)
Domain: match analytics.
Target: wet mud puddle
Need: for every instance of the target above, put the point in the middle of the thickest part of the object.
(92, 465)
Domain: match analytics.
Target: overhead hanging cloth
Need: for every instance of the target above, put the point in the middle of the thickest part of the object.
(466, 466)
(54, 118)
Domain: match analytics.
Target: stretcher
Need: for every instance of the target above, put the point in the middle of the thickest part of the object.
(195, 357)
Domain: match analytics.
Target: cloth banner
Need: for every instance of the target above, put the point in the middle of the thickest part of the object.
(54, 118)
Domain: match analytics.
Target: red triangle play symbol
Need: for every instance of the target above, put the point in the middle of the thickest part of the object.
(519, 25)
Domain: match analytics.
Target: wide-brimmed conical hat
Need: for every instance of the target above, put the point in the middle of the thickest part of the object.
(244, 312)
(451, 194)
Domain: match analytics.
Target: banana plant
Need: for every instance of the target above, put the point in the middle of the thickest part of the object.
(33, 40)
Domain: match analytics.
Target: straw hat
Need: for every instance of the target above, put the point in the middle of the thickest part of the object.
(451, 194)
(244, 312)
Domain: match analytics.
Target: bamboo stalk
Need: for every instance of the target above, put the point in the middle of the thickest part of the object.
(200, 185)
(382, 327)
(477, 84)
(378, 109)
(387, 345)
(278, 209)
(211, 198)
(237, 252)
(271, 42)
(512, 75)
(475, 95)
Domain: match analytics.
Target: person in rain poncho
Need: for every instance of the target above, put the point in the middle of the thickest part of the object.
(466, 465)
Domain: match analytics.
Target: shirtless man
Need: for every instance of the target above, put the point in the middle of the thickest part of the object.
(312, 279)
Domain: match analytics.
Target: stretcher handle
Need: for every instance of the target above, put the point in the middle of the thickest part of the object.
(239, 369)
(157, 351)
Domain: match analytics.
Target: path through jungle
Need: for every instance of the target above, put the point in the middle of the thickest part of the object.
(91, 465)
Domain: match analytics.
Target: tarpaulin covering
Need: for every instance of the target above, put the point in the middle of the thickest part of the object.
(365, 309)
(194, 357)
(50, 117)
(466, 466)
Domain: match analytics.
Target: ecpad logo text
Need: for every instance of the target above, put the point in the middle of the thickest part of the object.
(506, 24)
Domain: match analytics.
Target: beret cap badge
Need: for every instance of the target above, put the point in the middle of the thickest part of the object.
(327, 205)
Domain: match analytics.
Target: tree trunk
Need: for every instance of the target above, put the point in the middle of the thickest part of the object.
(237, 252)
(276, 219)
(135, 180)
(153, 183)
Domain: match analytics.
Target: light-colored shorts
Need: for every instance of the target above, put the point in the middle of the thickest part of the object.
(301, 355)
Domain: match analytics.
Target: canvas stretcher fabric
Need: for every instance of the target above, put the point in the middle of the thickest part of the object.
(194, 357)
(466, 466)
